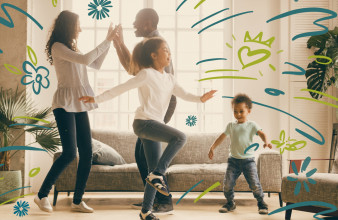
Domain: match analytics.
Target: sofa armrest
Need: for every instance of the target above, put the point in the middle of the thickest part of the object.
(67, 179)
(269, 168)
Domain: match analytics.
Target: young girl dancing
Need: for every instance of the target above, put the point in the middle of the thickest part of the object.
(155, 88)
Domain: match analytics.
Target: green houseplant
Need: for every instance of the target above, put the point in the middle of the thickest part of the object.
(322, 73)
(18, 116)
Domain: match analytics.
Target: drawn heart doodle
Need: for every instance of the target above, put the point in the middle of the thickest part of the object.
(253, 53)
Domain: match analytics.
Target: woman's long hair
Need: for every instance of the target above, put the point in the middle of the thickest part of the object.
(64, 31)
(141, 57)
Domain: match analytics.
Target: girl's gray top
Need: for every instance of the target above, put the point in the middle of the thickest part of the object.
(71, 72)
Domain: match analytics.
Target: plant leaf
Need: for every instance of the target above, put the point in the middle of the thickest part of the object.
(317, 78)
(318, 41)
(332, 52)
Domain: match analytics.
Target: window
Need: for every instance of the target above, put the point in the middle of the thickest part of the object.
(187, 48)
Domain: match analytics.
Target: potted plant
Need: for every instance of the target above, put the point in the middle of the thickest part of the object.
(18, 116)
(323, 72)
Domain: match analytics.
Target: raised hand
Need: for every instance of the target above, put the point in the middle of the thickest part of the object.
(208, 95)
(111, 35)
(120, 33)
(267, 145)
(211, 153)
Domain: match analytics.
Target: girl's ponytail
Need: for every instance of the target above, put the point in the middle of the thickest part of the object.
(141, 57)
(135, 62)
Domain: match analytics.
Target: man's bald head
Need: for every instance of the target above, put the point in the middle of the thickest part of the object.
(145, 22)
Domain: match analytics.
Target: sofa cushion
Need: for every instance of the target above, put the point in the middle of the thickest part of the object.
(122, 141)
(124, 177)
(105, 155)
(181, 177)
(195, 151)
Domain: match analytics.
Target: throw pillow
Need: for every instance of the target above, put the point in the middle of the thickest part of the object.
(105, 155)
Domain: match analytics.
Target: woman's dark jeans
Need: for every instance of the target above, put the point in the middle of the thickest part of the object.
(74, 129)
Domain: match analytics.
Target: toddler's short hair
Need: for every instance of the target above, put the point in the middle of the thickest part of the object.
(242, 98)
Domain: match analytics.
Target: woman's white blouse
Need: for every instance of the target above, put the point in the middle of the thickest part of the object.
(71, 72)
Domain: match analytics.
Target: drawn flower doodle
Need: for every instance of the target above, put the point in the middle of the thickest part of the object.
(38, 77)
(21, 208)
(191, 120)
(288, 145)
(99, 9)
(308, 174)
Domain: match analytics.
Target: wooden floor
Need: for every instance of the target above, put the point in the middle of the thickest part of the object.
(116, 206)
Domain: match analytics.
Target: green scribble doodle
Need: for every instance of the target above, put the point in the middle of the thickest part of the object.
(207, 190)
(228, 45)
(198, 4)
(250, 53)
(30, 194)
(227, 77)
(315, 100)
(321, 57)
(288, 145)
(33, 172)
(26, 117)
(258, 39)
(30, 53)
(13, 69)
(220, 70)
(54, 2)
(272, 67)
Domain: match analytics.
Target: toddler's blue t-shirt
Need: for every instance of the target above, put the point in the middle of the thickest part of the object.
(241, 136)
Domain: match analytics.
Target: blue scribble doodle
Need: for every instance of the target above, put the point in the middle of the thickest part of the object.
(21, 124)
(288, 145)
(224, 19)
(274, 92)
(21, 208)
(302, 70)
(9, 23)
(304, 10)
(320, 142)
(180, 5)
(36, 78)
(3, 149)
(332, 208)
(99, 9)
(209, 17)
(15, 190)
(189, 191)
(308, 174)
(211, 59)
(252, 146)
(191, 120)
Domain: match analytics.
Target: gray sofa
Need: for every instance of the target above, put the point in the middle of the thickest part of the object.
(324, 190)
(190, 166)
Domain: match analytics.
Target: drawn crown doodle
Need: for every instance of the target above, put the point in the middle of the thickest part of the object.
(258, 39)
